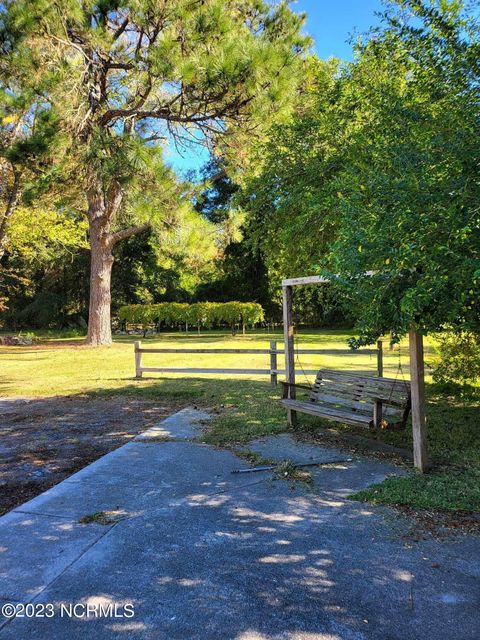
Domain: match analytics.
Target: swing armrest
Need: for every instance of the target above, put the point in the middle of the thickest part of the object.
(287, 385)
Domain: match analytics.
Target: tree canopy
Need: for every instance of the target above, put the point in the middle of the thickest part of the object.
(126, 76)
(317, 166)
(409, 193)
(379, 174)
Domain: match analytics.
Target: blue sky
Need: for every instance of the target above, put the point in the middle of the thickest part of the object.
(330, 23)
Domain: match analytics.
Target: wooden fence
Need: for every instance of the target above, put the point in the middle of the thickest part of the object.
(272, 352)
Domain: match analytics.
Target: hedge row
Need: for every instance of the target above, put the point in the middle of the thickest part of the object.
(199, 313)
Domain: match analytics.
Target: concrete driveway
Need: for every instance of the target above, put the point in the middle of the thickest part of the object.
(173, 545)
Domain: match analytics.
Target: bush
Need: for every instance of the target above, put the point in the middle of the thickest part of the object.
(200, 314)
(459, 358)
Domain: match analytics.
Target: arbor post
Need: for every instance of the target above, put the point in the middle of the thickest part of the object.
(380, 358)
(419, 422)
(288, 335)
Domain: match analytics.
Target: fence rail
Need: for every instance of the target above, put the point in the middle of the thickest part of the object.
(273, 371)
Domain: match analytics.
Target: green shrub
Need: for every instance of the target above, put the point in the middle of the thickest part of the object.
(459, 358)
(201, 313)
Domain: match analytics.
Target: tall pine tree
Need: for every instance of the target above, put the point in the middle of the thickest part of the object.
(131, 74)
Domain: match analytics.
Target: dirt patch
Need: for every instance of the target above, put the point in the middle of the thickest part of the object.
(44, 441)
(355, 444)
(440, 524)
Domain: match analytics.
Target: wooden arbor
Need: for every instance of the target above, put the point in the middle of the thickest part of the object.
(419, 424)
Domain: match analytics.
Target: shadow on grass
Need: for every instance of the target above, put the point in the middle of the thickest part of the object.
(246, 409)
(243, 409)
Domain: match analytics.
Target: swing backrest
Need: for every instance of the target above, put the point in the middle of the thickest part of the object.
(356, 393)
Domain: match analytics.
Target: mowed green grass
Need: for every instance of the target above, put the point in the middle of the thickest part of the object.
(65, 366)
(247, 406)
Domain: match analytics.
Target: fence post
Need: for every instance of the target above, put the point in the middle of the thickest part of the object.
(273, 363)
(380, 358)
(138, 359)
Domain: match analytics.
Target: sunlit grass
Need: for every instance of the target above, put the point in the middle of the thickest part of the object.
(247, 406)
(450, 490)
(65, 366)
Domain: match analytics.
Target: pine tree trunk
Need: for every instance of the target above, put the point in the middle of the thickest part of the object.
(102, 208)
(101, 262)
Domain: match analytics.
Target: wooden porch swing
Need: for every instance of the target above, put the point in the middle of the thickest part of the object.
(369, 401)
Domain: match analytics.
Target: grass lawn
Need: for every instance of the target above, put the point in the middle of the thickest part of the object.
(247, 406)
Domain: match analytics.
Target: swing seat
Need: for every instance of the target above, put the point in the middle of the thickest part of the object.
(368, 401)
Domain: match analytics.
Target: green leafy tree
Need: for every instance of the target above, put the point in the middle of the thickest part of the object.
(288, 193)
(129, 73)
(42, 268)
(459, 358)
(28, 130)
(409, 192)
(377, 172)
(240, 271)
(200, 313)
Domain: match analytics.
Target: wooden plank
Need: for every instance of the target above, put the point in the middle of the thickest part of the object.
(386, 400)
(330, 414)
(397, 386)
(310, 372)
(194, 370)
(138, 359)
(326, 352)
(355, 377)
(419, 422)
(335, 352)
(261, 351)
(341, 392)
(290, 282)
(384, 383)
(366, 407)
(396, 396)
(341, 376)
(369, 382)
(288, 336)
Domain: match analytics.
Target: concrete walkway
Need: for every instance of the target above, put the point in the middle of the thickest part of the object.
(195, 551)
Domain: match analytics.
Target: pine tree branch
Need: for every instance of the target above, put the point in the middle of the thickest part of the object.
(127, 233)
(120, 29)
